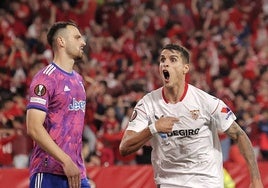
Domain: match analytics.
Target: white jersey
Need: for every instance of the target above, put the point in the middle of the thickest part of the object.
(189, 156)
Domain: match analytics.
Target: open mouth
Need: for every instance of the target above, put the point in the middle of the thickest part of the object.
(166, 74)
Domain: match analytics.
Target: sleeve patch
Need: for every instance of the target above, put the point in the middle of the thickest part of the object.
(40, 90)
(38, 100)
(225, 110)
(134, 115)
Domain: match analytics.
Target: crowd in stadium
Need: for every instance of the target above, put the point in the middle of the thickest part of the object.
(228, 41)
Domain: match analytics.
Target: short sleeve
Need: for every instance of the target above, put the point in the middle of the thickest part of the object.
(139, 119)
(223, 116)
(40, 91)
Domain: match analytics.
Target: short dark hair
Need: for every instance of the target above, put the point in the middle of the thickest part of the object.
(55, 28)
(182, 50)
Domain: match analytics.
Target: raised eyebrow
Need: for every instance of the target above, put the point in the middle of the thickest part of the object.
(171, 56)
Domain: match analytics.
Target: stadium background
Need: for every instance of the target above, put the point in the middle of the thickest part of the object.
(229, 47)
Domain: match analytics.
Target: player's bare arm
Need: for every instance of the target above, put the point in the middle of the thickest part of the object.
(245, 147)
(38, 133)
(132, 141)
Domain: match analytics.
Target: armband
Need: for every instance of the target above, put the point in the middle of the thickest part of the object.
(152, 128)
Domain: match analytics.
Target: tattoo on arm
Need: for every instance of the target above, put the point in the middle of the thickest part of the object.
(237, 134)
(235, 131)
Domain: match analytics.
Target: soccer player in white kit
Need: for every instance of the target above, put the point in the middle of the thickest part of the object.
(182, 122)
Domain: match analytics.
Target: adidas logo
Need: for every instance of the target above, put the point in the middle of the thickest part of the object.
(66, 88)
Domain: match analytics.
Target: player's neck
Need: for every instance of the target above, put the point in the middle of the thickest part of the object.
(175, 94)
(64, 64)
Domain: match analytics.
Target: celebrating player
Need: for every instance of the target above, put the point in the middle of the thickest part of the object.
(182, 122)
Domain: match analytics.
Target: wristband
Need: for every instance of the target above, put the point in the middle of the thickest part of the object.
(152, 128)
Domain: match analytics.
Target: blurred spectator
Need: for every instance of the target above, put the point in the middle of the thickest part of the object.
(10, 108)
(3, 55)
(7, 135)
(102, 104)
(128, 110)
(91, 159)
(110, 134)
(86, 10)
(90, 139)
(110, 123)
(21, 145)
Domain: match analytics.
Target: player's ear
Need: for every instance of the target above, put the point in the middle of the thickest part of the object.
(186, 68)
(60, 41)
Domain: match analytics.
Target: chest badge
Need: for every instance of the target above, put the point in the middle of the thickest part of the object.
(195, 114)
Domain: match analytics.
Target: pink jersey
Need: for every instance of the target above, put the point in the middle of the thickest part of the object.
(62, 96)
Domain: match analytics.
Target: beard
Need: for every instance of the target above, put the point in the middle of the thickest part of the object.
(75, 54)
(78, 58)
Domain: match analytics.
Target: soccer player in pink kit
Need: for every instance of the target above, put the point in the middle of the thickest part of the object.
(55, 114)
(182, 122)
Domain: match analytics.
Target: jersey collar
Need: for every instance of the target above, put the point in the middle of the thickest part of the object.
(182, 97)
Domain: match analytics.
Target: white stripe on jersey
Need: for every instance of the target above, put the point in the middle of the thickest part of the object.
(38, 180)
(50, 68)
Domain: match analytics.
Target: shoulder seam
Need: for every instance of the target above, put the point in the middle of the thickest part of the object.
(216, 107)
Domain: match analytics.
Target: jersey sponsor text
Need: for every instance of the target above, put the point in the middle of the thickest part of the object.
(77, 105)
(184, 132)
